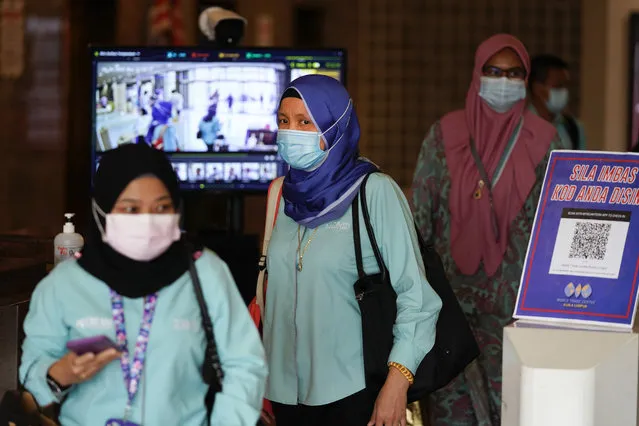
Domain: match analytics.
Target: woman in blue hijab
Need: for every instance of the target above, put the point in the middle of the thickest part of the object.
(312, 324)
(162, 134)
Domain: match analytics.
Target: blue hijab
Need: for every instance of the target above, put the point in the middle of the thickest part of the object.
(161, 113)
(212, 112)
(324, 194)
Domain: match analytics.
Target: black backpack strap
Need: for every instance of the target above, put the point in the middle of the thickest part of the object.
(572, 129)
(369, 229)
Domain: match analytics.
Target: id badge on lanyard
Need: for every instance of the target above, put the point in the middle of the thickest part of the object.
(120, 422)
(131, 370)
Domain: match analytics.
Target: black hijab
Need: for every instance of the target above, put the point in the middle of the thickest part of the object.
(291, 93)
(126, 276)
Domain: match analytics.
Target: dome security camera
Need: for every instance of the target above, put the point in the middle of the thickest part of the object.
(223, 27)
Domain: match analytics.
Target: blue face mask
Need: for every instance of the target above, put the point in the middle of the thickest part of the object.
(557, 100)
(501, 94)
(300, 149)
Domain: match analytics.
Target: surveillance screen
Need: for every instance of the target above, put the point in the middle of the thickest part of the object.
(213, 111)
(188, 107)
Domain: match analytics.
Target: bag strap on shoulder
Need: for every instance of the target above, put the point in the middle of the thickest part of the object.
(272, 207)
(361, 198)
(212, 373)
(356, 239)
(212, 369)
(489, 187)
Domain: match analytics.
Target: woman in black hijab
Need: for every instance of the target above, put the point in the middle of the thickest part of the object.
(132, 280)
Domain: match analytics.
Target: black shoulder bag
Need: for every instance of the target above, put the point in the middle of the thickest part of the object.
(455, 345)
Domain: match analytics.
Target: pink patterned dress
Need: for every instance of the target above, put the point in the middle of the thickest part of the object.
(474, 398)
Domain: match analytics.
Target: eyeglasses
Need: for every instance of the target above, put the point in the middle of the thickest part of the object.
(517, 73)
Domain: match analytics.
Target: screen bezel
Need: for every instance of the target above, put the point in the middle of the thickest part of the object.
(159, 49)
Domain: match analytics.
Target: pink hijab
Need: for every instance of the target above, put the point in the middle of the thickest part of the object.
(472, 239)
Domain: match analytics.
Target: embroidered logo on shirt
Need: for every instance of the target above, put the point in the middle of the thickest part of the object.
(339, 226)
(182, 324)
(102, 323)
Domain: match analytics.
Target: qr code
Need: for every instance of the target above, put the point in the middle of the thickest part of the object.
(589, 240)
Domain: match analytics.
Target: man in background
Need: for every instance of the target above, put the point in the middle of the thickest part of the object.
(209, 128)
(548, 90)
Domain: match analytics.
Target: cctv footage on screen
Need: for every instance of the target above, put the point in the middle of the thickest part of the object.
(217, 121)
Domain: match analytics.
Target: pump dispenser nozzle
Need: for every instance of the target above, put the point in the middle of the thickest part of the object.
(69, 227)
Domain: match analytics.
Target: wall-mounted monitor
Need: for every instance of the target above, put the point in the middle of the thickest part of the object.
(212, 111)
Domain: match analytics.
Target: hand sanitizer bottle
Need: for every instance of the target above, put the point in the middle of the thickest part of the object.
(67, 243)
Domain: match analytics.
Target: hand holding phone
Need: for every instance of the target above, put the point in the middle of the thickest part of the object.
(94, 345)
(74, 368)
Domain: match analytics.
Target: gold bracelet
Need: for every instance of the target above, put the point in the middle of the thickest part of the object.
(405, 371)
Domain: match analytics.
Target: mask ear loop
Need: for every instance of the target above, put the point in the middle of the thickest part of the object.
(336, 142)
(180, 212)
(96, 210)
(348, 108)
(340, 137)
(350, 102)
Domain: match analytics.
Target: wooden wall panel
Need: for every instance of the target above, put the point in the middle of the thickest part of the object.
(415, 60)
(33, 123)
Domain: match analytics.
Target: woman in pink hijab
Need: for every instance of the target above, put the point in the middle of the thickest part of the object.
(475, 192)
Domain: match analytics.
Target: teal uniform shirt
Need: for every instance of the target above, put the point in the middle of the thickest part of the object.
(560, 124)
(71, 304)
(312, 323)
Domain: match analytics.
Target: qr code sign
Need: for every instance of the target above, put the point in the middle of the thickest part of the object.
(589, 240)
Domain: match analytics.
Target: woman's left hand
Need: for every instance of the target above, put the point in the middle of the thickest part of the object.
(267, 419)
(390, 407)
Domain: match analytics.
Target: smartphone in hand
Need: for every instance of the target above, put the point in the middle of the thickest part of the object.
(94, 344)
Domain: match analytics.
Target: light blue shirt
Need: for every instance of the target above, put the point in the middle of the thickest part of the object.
(169, 137)
(312, 322)
(210, 130)
(70, 304)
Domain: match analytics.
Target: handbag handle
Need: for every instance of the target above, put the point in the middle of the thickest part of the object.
(361, 198)
(357, 240)
(423, 245)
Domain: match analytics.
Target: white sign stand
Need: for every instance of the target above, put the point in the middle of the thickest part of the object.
(557, 375)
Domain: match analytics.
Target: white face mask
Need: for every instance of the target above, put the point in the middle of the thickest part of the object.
(557, 100)
(501, 94)
(141, 237)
